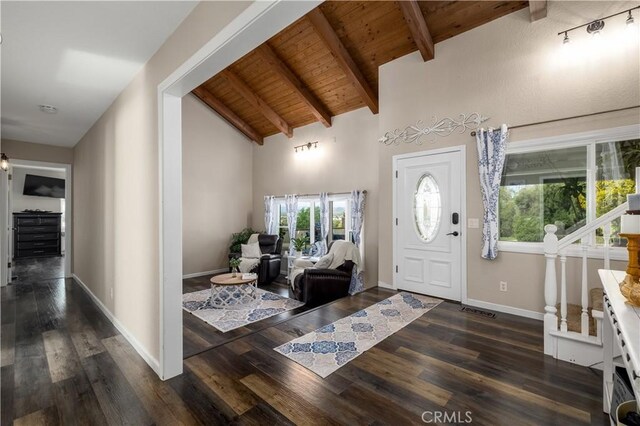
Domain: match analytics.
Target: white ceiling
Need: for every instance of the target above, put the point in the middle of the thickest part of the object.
(76, 56)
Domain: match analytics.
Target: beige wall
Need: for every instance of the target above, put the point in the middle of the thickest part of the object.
(514, 72)
(345, 160)
(116, 185)
(21, 202)
(37, 152)
(216, 186)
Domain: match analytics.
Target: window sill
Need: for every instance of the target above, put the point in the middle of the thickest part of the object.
(616, 253)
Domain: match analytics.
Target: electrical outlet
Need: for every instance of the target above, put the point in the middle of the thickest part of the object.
(503, 286)
(473, 223)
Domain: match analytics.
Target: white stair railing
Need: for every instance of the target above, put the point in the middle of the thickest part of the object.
(554, 248)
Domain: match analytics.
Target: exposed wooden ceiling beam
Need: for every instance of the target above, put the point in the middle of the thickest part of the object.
(339, 52)
(280, 68)
(537, 9)
(418, 27)
(212, 102)
(256, 101)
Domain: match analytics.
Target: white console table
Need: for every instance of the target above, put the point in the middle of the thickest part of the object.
(620, 335)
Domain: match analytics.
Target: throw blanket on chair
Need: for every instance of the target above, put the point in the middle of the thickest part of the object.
(341, 250)
(248, 265)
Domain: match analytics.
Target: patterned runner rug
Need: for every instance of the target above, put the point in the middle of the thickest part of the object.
(330, 347)
(267, 304)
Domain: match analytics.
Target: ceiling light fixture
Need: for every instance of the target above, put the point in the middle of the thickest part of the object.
(306, 146)
(4, 162)
(596, 26)
(49, 109)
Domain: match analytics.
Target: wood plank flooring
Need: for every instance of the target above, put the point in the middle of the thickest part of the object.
(199, 336)
(63, 363)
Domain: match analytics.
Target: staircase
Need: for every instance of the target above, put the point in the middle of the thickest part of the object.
(574, 332)
(574, 312)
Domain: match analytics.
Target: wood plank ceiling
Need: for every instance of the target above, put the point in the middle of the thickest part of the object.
(326, 63)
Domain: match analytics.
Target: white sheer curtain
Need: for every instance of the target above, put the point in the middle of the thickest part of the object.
(492, 146)
(291, 204)
(324, 222)
(270, 215)
(356, 206)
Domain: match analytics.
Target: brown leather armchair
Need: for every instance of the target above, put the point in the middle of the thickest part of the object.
(269, 267)
(316, 287)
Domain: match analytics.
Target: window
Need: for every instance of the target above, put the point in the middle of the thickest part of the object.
(304, 222)
(308, 220)
(427, 207)
(283, 224)
(338, 222)
(548, 184)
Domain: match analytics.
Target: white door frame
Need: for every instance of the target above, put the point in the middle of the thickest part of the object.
(462, 149)
(256, 24)
(68, 203)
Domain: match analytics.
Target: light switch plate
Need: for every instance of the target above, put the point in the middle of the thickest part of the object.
(473, 223)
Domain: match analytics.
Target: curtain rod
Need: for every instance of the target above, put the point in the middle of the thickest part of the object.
(567, 118)
(317, 194)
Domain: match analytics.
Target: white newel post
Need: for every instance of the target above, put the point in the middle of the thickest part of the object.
(550, 288)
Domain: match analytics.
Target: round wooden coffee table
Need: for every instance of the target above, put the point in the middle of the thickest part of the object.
(228, 291)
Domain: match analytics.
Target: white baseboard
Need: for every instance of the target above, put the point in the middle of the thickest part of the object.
(505, 309)
(202, 274)
(153, 363)
(385, 285)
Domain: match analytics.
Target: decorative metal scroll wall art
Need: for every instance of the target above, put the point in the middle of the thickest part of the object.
(443, 127)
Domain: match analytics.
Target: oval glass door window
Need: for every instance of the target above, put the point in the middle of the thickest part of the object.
(427, 208)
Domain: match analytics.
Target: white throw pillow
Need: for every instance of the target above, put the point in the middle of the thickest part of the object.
(251, 251)
(324, 261)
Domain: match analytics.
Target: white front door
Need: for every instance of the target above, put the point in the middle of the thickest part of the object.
(429, 224)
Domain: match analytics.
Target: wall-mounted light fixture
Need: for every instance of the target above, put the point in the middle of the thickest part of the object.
(4, 162)
(306, 146)
(596, 26)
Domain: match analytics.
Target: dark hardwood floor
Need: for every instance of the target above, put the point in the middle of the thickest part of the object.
(63, 363)
(37, 269)
(198, 336)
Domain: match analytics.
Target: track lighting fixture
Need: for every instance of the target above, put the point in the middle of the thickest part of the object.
(630, 19)
(307, 146)
(4, 162)
(596, 26)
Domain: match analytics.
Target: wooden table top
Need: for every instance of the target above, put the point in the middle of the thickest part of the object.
(228, 279)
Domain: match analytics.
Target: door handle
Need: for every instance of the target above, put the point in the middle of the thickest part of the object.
(454, 233)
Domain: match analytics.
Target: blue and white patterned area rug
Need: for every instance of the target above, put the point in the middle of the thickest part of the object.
(267, 304)
(330, 347)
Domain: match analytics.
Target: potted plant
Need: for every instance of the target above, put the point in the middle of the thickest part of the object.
(240, 238)
(234, 263)
(299, 244)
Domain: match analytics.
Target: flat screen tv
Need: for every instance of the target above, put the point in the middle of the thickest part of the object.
(43, 186)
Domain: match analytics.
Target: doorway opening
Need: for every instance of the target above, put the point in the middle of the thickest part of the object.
(255, 25)
(38, 212)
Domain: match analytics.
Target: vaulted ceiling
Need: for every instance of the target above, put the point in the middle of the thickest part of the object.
(326, 63)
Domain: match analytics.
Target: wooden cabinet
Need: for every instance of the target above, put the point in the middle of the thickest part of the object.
(36, 235)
